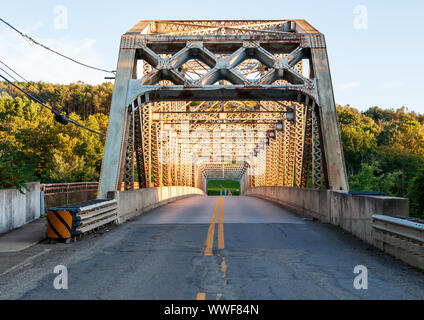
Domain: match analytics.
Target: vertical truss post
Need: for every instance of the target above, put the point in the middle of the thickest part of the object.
(185, 131)
(291, 149)
(275, 160)
(300, 131)
(173, 153)
(331, 140)
(280, 158)
(317, 180)
(184, 173)
(179, 164)
(285, 149)
(190, 175)
(115, 146)
(139, 155)
(268, 163)
(193, 175)
(234, 150)
(129, 156)
(147, 142)
(156, 158)
(307, 150)
(262, 167)
(165, 161)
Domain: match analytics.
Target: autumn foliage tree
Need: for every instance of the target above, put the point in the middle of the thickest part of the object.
(57, 153)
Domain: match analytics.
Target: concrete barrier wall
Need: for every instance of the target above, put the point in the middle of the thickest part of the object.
(353, 213)
(244, 183)
(132, 203)
(302, 201)
(401, 238)
(17, 209)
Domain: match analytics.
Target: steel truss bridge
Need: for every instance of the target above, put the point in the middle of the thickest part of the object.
(245, 100)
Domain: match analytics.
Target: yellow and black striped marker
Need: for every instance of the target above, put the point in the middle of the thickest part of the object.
(59, 224)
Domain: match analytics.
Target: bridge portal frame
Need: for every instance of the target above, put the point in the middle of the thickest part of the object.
(165, 46)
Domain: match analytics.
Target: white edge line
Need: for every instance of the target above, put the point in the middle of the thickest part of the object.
(25, 262)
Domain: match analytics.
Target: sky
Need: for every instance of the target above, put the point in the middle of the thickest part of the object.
(375, 47)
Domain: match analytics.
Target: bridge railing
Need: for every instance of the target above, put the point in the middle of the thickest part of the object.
(132, 203)
(379, 220)
(401, 238)
(57, 194)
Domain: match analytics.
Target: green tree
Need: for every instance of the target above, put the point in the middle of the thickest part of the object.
(358, 133)
(416, 195)
(372, 178)
(14, 172)
(72, 170)
(359, 147)
(380, 115)
(28, 128)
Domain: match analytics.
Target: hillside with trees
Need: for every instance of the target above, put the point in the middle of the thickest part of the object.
(383, 148)
(33, 144)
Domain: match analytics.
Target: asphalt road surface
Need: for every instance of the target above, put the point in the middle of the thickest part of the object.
(211, 248)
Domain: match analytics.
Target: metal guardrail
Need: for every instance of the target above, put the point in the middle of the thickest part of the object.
(97, 215)
(58, 194)
(59, 188)
(72, 220)
(366, 193)
(406, 238)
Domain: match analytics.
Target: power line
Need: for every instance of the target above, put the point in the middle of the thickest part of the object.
(25, 80)
(27, 85)
(58, 116)
(9, 74)
(29, 95)
(51, 50)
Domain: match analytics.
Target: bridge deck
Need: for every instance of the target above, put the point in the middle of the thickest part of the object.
(236, 210)
(269, 254)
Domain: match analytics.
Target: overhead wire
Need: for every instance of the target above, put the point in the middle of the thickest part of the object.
(26, 37)
(25, 82)
(13, 71)
(58, 116)
(9, 74)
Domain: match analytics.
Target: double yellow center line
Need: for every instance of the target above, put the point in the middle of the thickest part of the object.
(211, 231)
(210, 239)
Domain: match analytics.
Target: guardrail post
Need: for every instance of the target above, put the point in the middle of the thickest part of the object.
(41, 202)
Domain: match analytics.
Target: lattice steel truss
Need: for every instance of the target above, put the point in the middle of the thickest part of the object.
(244, 100)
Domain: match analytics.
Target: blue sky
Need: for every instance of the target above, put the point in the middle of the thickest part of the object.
(379, 65)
